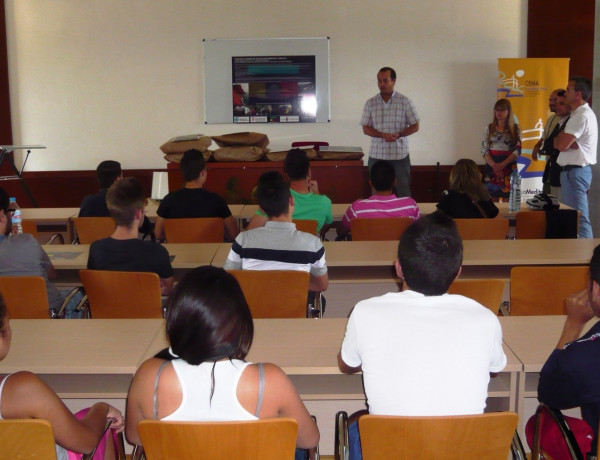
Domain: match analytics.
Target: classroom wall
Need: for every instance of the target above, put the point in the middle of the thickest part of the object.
(101, 79)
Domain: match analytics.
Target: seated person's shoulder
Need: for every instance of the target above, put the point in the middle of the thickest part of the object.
(103, 243)
(94, 205)
(24, 239)
(324, 199)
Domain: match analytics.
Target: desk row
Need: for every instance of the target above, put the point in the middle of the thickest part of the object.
(62, 218)
(478, 254)
(96, 359)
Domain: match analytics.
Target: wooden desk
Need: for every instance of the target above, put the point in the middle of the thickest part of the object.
(476, 253)
(340, 180)
(69, 259)
(81, 358)
(362, 269)
(60, 217)
(339, 209)
(306, 350)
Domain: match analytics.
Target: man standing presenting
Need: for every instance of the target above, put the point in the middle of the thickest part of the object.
(577, 145)
(388, 118)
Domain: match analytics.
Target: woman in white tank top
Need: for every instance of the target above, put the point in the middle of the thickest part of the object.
(204, 375)
(24, 395)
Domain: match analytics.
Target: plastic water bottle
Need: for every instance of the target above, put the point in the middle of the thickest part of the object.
(514, 200)
(17, 228)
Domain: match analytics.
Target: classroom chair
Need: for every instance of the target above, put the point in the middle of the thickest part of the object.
(482, 229)
(560, 223)
(379, 229)
(268, 439)
(29, 226)
(117, 294)
(530, 225)
(30, 438)
(274, 293)
(545, 418)
(34, 438)
(536, 290)
(488, 292)
(90, 229)
(195, 230)
(481, 436)
(25, 296)
(306, 225)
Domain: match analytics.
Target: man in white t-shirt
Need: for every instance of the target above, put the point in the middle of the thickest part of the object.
(578, 145)
(423, 351)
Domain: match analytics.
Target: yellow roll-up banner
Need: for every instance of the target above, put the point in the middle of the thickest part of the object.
(527, 83)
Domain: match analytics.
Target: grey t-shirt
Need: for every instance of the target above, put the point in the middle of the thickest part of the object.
(22, 255)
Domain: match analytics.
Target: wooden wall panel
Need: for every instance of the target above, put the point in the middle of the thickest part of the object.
(64, 189)
(556, 28)
(67, 188)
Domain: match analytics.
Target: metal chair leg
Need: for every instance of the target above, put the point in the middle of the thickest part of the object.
(342, 449)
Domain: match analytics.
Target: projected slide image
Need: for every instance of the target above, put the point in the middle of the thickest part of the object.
(274, 89)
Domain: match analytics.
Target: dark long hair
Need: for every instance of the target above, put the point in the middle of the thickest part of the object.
(208, 318)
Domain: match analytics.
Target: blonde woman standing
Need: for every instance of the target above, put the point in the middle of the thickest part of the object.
(500, 148)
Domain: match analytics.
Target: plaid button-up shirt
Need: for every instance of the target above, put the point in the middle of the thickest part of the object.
(391, 117)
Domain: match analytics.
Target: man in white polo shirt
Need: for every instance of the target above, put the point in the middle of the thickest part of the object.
(577, 145)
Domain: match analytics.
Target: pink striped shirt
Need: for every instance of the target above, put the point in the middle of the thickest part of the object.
(381, 206)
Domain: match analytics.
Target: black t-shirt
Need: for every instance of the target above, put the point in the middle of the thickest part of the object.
(192, 202)
(94, 205)
(131, 255)
(460, 206)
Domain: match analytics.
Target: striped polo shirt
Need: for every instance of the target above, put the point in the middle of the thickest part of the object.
(277, 246)
(381, 206)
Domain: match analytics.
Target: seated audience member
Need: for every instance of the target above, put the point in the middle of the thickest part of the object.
(22, 255)
(422, 351)
(571, 374)
(204, 375)
(467, 197)
(23, 395)
(192, 200)
(123, 251)
(383, 203)
(309, 204)
(278, 245)
(107, 172)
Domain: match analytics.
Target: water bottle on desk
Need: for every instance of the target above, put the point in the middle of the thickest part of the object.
(514, 200)
(17, 228)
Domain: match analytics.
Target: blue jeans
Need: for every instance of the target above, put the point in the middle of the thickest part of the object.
(301, 454)
(574, 188)
(354, 442)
